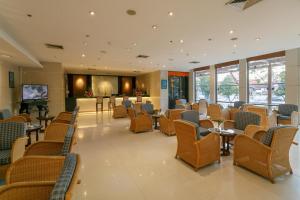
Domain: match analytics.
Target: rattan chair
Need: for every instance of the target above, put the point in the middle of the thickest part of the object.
(119, 112)
(61, 188)
(265, 120)
(214, 111)
(242, 120)
(67, 117)
(166, 121)
(56, 132)
(141, 122)
(229, 113)
(268, 161)
(195, 107)
(197, 153)
(203, 105)
(287, 114)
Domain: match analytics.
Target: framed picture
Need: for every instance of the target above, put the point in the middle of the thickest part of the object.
(164, 84)
(11, 79)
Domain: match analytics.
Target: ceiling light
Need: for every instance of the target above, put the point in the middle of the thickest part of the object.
(134, 44)
(5, 56)
(87, 35)
(170, 14)
(258, 38)
(92, 13)
(235, 45)
(209, 39)
(131, 12)
(231, 31)
(154, 27)
(181, 41)
(29, 15)
(171, 41)
(83, 55)
(234, 39)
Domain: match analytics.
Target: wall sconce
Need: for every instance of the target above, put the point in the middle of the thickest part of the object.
(79, 83)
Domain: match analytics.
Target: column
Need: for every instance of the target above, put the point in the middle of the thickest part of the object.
(243, 80)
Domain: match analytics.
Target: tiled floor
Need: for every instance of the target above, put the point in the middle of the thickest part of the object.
(117, 164)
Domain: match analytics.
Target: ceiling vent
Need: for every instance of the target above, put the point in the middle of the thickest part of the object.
(194, 62)
(142, 56)
(54, 46)
(242, 4)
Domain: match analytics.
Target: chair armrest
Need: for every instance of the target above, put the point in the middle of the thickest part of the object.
(247, 149)
(272, 119)
(143, 118)
(209, 144)
(27, 190)
(50, 148)
(18, 149)
(250, 130)
(295, 118)
(229, 124)
(35, 168)
(206, 123)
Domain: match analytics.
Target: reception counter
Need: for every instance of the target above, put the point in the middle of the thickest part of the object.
(89, 104)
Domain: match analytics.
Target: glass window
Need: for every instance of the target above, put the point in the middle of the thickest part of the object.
(266, 81)
(227, 79)
(202, 85)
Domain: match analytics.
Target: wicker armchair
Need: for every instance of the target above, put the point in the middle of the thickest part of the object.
(238, 104)
(67, 117)
(12, 144)
(6, 114)
(229, 113)
(53, 148)
(166, 124)
(56, 132)
(265, 120)
(195, 107)
(17, 118)
(203, 105)
(197, 153)
(268, 161)
(61, 188)
(287, 114)
(242, 120)
(119, 112)
(149, 108)
(139, 122)
(214, 111)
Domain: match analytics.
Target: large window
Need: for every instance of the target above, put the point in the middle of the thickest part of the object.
(202, 85)
(266, 80)
(227, 79)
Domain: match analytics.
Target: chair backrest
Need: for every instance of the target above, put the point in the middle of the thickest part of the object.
(67, 178)
(5, 113)
(139, 99)
(262, 112)
(56, 131)
(287, 109)
(9, 132)
(137, 107)
(179, 106)
(175, 114)
(127, 103)
(131, 113)
(238, 104)
(186, 133)
(243, 119)
(100, 100)
(149, 108)
(195, 107)
(17, 118)
(191, 116)
(68, 141)
(215, 111)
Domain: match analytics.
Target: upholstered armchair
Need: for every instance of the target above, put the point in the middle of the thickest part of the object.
(5, 114)
(215, 113)
(197, 152)
(166, 121)
(238, 104)
(17, 118)
(34, 183)
(127, 103)
(149, 108)
(67, 117)
(266, 121)
(139, 122)
(268, 157)
(119, 111)
(229, 113)
(287, 114)
(56, 132)
(193, 116)
(12, 144)
(242, 120)
(52, 147)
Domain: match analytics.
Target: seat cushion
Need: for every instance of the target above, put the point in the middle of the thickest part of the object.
(9, 132)
(287, 109)
(190, 115)
(243, 119)
(267, 138)
(283, 117)
(68, 141)
(62, 184)
(5, 157)
(202, 132)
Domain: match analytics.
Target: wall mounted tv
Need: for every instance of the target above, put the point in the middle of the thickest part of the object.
(34, 92)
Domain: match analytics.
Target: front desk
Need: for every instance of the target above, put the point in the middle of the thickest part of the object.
(89, 104)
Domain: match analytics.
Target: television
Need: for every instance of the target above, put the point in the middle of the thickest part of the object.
(34, 92)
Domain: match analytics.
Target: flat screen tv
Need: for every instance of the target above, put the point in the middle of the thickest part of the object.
(34, 92)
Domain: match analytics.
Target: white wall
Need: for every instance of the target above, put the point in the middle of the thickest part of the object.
(9, 96)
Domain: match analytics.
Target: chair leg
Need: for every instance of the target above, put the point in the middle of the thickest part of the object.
(272, 180)
(196, 169)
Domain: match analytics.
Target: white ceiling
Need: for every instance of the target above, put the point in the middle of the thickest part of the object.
(66, 22)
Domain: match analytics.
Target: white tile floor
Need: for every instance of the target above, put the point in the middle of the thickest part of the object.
(117, 164)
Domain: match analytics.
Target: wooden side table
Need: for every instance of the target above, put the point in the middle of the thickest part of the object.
(155, 118)
(30, 129)
(45, 119)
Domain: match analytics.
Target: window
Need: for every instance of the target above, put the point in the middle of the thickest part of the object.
(227, 79)
(202, 85)
(266, 80)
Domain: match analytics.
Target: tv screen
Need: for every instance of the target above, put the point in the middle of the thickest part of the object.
(34, 92)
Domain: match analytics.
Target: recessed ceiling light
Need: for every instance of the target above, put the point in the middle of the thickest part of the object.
(83, 55)
(171, 41)
(87, 35)
(5, 56)
(170, 13)
(154, 27)
(231, 32)
(134, 44)
(131, 12)
(258, 38)
(235, 45)
(209, 39)
(92, 13)
(234, 38)
(29, 15)
(181, 41)
(103, 51)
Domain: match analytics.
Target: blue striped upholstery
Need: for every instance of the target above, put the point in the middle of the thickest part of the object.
(193, 117)
(5, 114)
(238, 104)
(243, 119)
(127, 103)
(9, 132)
(5, 157)
(68, 141)
(267, 138)
(287, 109)
(62, 184)
(148, 108)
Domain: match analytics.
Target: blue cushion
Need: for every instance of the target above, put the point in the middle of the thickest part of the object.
(127, 103)
(5, 157)
(267, 138)
(68, 141)
(148, 108)
(5, 114)
(287, 109)
(243, 119)
(238, 104)
(190, 115)
(283, 117)
(202, 132)
(9, 132)
(62, 184)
